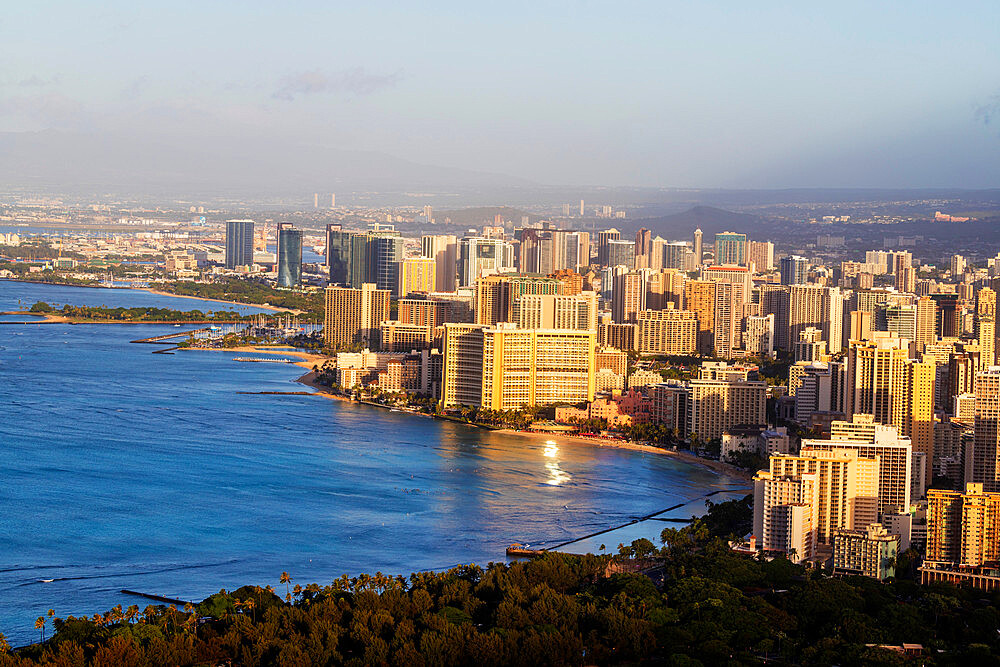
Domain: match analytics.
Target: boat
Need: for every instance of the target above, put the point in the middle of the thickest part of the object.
(524, 551)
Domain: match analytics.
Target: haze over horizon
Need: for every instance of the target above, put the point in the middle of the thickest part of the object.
(638, 94)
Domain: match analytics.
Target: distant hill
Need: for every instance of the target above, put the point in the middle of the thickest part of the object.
(80, 162)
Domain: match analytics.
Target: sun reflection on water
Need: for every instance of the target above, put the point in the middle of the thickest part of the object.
(557, 476)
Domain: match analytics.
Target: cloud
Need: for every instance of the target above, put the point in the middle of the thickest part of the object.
(355, 81)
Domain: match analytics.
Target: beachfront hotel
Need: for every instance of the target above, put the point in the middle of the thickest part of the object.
(354, 315)
(506, 368)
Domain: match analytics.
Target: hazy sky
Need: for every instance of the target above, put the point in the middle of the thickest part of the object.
(730, 94)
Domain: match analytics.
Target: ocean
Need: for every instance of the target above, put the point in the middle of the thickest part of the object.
(123, 469)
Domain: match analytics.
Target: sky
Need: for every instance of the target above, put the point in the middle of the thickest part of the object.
(663, 94)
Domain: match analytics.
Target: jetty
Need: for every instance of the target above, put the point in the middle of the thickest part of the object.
(157, 598)
(167, 337)
(264, 360)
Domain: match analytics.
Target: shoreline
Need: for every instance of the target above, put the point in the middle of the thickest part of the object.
(682, 455)
(158, 292)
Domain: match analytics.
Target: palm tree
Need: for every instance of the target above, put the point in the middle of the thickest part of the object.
(250, 605)
(40, 625)
(286, 580)
(131, 613)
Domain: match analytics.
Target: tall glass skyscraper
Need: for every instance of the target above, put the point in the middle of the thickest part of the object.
(374, 256)
(239, 243)
(794, 270)
(338, 254)
(289, 255)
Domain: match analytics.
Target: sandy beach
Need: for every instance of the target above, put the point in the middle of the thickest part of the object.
(683, 455)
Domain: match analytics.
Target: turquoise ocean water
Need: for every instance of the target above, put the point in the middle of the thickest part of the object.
(125, 469)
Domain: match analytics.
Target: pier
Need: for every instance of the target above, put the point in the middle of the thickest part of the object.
(264, 360)
(157, 598)
(167, 337)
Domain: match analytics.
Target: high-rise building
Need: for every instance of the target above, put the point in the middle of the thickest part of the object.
(496, 294)
(664, 288)
(395, 336)
(906, 279)
(425, 312)
(528, 367)
(289, 255)
(731, 249)
(816, 306)
(619, 336)
(416, 274)
(881, 380)
(717, 405)
(985, 468)
(462, 376)
(846, 489)
(338, 254)
(869, 440)
(478, 257)
(375, 255)
(621, 253)
(774, 301)
(556, 311)
(947, 323)
(354, 315)
(699, 298)
(603, 239)
(793, 270)
(728, 318)
(985, 326)
(644, 249)
(697, 249)
(731, 274)
(550, 250)
(239, 243)
(902, 320)
(818, 387)
(444, 249)
(963, 537)
(784, 514)
(628, 297)
(667, 331)
(810, 346)
(758, 335)
(673, 255)
(925, 332)
(761, 253)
